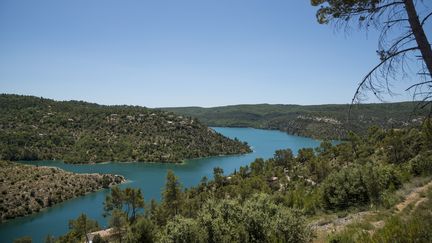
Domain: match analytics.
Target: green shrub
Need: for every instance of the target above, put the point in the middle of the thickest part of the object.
(421, 165)
(359, 185)
(415, 229)
(181, 229)
(143, 230)
(389, 199)
(98, 239)
(349, 235)
(380, 179)
(345, 188)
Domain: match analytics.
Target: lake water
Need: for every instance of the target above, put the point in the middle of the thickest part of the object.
(150, 177)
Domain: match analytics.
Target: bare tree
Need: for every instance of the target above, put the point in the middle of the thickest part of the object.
(402, 45)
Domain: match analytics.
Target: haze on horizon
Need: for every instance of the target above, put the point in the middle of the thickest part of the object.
(189, 53)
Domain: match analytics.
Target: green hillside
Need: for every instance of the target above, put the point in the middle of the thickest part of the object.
(34, 128)
(319, 121)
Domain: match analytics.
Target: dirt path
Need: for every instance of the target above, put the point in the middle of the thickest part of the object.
(325, 227)
(413, 196)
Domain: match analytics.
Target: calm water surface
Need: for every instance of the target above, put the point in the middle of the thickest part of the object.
(150, 177)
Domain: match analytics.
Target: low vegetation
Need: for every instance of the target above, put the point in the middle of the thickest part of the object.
(279, 199)
(411, 224)
(34, 128)
(318, 121)
(26, 189)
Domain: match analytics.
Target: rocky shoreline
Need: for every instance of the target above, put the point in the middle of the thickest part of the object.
(27, 189)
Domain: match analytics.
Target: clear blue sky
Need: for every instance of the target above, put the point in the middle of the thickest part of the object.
(179, 53)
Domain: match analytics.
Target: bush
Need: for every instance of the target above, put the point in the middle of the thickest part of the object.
(344, 189)
(98, 239)
(181, 229)
(358, 185)
(415, 229)
(380, 179)
(259, 219)
(143, 230)
(389, 199)
(421, 165)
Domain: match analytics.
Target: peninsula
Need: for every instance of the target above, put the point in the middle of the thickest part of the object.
(26, 189)
(33, 128)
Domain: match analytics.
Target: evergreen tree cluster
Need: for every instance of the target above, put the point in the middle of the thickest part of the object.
(34, 128)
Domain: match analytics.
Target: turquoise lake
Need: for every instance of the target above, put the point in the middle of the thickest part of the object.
(150, 177)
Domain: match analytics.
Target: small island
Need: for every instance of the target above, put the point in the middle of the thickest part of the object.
(26, 189)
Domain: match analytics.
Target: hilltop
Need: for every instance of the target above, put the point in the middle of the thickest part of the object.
(33, 128)
(318, 121)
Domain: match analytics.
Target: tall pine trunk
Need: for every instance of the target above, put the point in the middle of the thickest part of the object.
(419, 34)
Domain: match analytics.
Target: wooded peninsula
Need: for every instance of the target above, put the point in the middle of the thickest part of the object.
(33, 128)
(26, 189)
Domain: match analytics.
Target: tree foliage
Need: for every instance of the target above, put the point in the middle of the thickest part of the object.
(129, 200)
(79, 228)
(172, 195)
(402, 25)
(119, 224)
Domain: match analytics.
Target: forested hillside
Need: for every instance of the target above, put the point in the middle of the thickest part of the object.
(318, 121)
(34, 128)
(280, 199)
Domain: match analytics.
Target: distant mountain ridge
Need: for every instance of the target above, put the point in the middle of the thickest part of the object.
(33, 128)
(318, 121)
